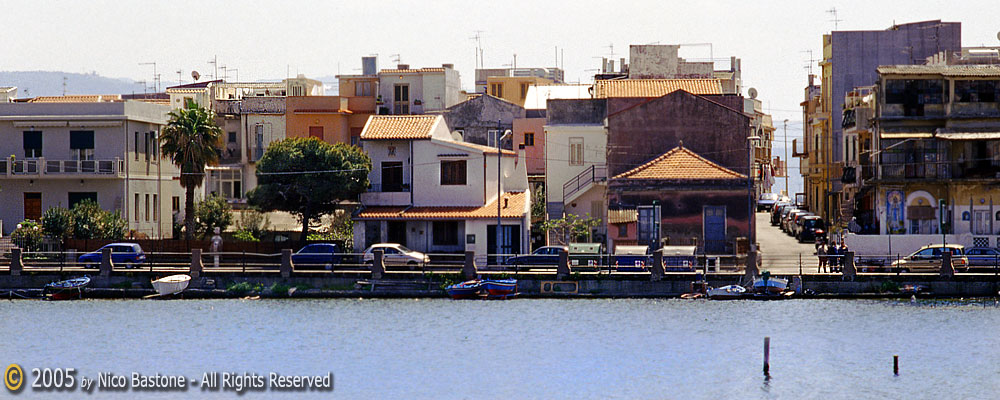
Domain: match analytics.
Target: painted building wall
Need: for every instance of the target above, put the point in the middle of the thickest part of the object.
(476, 118)
(327, 112)
(682, 210)
(534, 154)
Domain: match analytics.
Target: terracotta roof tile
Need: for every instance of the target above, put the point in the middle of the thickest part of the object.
(514, 209)
(943, 70)
(411, 71)
(622, 216)
(680, 164)
(654, 87)
(399, 127)
(85, 98)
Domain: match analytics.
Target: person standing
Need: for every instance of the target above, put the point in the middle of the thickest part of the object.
(821, 252)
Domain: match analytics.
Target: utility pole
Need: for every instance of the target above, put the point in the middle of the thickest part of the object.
(784, 169)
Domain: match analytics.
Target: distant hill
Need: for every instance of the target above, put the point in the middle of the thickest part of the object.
(50, 83)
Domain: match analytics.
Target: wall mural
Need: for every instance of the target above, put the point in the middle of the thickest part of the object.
(894, 210)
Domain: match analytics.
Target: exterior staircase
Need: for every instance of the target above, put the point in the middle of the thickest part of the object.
(578, 185)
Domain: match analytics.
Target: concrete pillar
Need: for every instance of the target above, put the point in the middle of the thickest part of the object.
(848, 268)
(751, 268)
(947, 268)
(656, 270)
(106, 263)
(286, 263)
(469, 271)
(16, 263)
(196, 265)
(562, 269)
(378, 268)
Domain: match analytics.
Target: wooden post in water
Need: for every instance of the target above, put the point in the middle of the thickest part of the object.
(895, 364)
(767, 356)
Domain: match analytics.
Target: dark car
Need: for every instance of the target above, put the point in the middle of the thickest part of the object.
(982, 256)
(128, 254)
(317, 255)
(776, 212)
(811, 227)
(545, 255)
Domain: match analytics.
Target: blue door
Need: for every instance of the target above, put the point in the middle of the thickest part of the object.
(715, 229)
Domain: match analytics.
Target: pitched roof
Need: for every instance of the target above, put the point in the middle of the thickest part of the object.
(202, 84)
(654, 87)
(411, 71)
(85, 98)
(514, 209)
(622, 216)
(943, 70)
(680, 164)
(388, 127)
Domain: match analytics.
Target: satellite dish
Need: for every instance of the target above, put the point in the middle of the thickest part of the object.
(752, 92)
(195, 75)
(998, 35)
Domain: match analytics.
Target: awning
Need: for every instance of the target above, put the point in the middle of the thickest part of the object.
(969, 135)
(906, 135)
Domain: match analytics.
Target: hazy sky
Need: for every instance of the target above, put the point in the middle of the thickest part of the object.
(266, 40)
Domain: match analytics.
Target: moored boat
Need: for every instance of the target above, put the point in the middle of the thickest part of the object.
(66, 290)
(769, 285)
(465, 290)
(728, 292)
(171, 284)
(500, 287)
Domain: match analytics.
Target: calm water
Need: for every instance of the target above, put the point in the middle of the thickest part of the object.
(525, 348)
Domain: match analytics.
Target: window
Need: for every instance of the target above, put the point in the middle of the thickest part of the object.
(298, 90)
(913, 94)
(156, 206)
(576, 151)
(496, 89)
(316, 132)
(32, 141)
(529, 138)
(392, 176)
(977, 91)
(446, 233)
(227, 183)
(491, 137)
(362, 88)
(154, 144)
(147, 209)
(453, 172)
(258, 150)
(135, 144)
(136, 207)
(81, 144)
(76, 197)
(232, 137)
(524, 91)
(401, 99)
(175, 204)
(623, 230)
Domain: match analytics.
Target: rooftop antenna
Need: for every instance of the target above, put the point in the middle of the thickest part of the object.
(479, 46)
(224, 74)
(236, 71)
(64, 85)
(835, 20)
(179, 74)
(809, 63)
(155, 79)
(396, 58)
(215, 66)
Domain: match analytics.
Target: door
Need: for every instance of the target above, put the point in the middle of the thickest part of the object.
(392, 176)
(397, 232)
(316, 132)
(510, 240)
(715, 229)
(981, 222)
(33, 206)
(373, 233)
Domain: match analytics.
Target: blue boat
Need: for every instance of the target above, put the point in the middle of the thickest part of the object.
(68, 289)
(500, 287)
(465, 290)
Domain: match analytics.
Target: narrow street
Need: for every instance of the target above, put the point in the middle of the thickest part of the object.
(780, 253)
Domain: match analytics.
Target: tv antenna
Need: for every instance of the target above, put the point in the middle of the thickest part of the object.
(836, 21)
(479, 48)
(396, 58)
(810, 61)
(179, 74)
(155, 75)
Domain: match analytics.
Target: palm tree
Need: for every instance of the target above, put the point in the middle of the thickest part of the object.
(191, 140)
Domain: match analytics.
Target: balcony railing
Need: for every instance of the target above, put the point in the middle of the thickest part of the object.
(39, 167)
(594, 173)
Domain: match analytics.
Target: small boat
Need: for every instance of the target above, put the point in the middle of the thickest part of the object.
(728, 292)
(500, 287)
(769, 285)
(66, 290)
(465, 290)
(171, 284)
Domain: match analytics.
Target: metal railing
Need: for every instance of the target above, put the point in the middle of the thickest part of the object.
(594, 173)
(42, 166)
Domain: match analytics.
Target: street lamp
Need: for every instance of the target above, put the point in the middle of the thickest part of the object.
(750, 190)
(501, 135)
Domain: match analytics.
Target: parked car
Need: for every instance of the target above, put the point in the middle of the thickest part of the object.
(766, 201)
(794, 223)
(396, 254)
(128, 254)
(982, 256)
(784, 214)
(928, 259)
(545, 255)
(789, 219)
(810, 228)
(317, 255)
(776, 212)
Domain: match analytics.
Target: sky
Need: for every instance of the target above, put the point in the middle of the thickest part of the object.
(271, 40)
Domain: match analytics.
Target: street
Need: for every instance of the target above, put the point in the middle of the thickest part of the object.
(780, 253)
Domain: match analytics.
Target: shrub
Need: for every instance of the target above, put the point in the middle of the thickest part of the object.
(27, 236)
(92, 222)
(57, 222)
(213, 212)
(253, 222)
(245, 236)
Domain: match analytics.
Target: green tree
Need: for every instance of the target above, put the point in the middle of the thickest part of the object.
(57, 222)
(213, 212)
(307, 177)
(538, 204)
(191, 139)
(252, 224)
(92, 222)
(570, 228)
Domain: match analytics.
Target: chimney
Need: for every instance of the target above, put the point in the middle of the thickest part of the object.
(621, 65)
(402, 66)
(812, 78)
(448, 66)
(505, 202)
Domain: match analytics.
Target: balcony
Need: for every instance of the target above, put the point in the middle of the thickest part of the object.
(386, 195)
(40, 168)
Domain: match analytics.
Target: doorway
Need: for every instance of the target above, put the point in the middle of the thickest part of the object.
(396, 232)
(715, 229)
(33, 206)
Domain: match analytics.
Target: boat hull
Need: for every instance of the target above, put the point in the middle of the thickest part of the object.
(731, 292)
(772, 285)
(67, 290)
(171, 284)
(500, 287)
(66, 294)
(465, 290)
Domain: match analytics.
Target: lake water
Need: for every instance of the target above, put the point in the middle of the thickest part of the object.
(524, 348)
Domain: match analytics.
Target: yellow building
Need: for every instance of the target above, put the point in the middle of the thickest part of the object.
(513, 88)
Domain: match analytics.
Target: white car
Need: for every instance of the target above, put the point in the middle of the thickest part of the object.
(396, 254)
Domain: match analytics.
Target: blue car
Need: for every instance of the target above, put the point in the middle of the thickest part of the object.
(128, 254)
(317, 255)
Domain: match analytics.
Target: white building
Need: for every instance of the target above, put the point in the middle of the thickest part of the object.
(405, 91)
(434, 194)
(576, 169)
(7, 94)
(62, 150)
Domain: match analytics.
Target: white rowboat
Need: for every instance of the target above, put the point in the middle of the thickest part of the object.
(171, 284)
